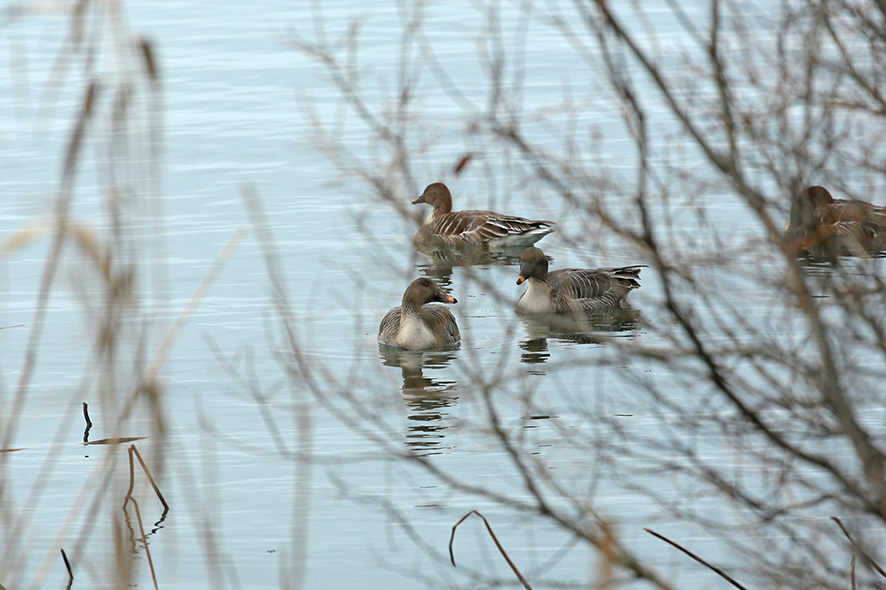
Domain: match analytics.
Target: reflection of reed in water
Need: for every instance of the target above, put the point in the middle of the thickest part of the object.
(426, 398)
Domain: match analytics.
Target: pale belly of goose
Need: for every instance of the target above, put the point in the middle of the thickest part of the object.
(536, 299)
(414, 333)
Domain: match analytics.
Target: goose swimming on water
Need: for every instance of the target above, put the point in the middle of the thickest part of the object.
(572, 290)
(818, 221)
(473, 228)
(417, 326)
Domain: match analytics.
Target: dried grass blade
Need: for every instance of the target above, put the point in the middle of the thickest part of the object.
(720, 572)
(192, 304)
(24, 236)
(77, 134)
(51, 267)
(117, 440)
(497, 544)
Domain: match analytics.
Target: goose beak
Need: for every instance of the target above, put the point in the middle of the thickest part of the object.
(444, 298)
(418, 200)
(520, 279)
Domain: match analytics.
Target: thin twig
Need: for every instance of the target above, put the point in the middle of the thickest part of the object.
(131, 477)
(497, 544)
(67, 564)
(861, 551)
(723, 574)
(88, 424)
(852, 572)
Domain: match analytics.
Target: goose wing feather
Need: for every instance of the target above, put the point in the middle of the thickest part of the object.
(390, 326)
(442, 323)
(871, 218)
(595, 289)
(581, 283)
(484, 226)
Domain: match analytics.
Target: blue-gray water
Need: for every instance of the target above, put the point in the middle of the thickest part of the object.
(237, 108)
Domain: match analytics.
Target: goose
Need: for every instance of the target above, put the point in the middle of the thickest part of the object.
(818, 219)
(445, 228)
(416, 326)
(572, 290)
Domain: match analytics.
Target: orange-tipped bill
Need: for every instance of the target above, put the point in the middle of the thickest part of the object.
(418, 200)
(520, 279)
(444, 298)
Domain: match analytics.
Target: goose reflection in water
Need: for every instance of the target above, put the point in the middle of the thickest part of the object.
(535, 352)
(574, 328)
(427, 399)
(443, 261)
(446, 258)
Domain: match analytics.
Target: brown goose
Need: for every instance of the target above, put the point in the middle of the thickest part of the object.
(572, 290)
(417, 326)
(819, 220)
(445, 228)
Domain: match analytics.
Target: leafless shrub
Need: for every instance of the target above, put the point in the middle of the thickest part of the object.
(729, 111)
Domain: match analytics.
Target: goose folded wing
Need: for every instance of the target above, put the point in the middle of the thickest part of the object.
(441, 321)
(580, 283)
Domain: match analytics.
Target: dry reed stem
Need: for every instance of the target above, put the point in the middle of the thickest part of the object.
(67, 564)
(133, 450)
(149, 61)
(131, 477)
(64, 229)
(722, 574)
(100, 471)
(192, 305)
(88, 424)
(52, 262)
(497, 544)
(304, 445)
(150, 375)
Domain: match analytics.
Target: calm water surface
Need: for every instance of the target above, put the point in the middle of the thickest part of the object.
(235, 101)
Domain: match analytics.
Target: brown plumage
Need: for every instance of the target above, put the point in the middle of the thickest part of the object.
(417, 326)
(818, 221)
(472, 228)
(571, 290)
